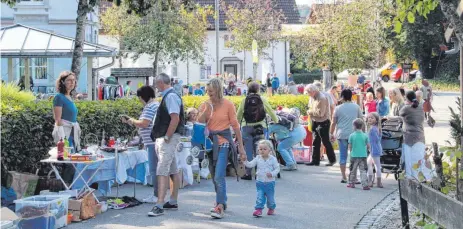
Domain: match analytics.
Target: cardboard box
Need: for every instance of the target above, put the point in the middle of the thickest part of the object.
(74, 207)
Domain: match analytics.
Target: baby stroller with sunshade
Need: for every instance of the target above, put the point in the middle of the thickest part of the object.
(391, 142)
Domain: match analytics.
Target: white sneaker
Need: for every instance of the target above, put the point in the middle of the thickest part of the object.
(150, 199)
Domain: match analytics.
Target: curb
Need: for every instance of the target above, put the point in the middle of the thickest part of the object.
(378, 211)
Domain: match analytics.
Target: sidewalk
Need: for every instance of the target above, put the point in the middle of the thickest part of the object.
(311, 197)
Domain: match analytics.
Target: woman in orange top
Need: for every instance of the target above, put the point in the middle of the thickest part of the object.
(220, 114)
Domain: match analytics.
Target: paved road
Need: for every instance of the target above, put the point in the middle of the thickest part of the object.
(307, 198)
(442, 101)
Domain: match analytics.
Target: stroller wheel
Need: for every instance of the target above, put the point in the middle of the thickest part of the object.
(205, 163)
(179, 147)
(195, 151)
(396, 176)
(278, 176)
(189, 160)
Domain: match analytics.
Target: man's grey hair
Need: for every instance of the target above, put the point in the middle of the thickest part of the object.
(311, 88)
(164, 78)
(319, 85)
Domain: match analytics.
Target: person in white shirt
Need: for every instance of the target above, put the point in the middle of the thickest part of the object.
(267, 169)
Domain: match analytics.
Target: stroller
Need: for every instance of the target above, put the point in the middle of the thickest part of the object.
(391, 142)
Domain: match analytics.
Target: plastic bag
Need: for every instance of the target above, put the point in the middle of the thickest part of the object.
(58, 133)
(309, 124)
(204, 173)
(335, 145)
(23, 184)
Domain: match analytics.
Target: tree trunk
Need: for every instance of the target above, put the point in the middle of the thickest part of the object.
(187, 71)
(82, 10)
(155, 66)
(254, 70)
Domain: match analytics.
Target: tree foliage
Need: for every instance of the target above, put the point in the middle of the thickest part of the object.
(117, 23)
(249, 20)
(171, 35)
(349, 35)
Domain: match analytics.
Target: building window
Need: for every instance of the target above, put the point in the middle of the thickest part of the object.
(37, 68)
(227, 39)
(174, 71)
(205, 72)
(30, 2)
(161, 69)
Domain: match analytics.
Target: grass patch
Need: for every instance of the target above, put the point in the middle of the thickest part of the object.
(439, 85)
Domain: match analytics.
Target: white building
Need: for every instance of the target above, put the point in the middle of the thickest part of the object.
(58, 17)
(240, 64)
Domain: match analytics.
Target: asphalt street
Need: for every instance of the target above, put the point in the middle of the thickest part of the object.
(311, 197)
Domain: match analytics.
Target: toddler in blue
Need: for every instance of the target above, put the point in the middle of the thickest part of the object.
(267, 169)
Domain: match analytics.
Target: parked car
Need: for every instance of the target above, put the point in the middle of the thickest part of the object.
(393, 71)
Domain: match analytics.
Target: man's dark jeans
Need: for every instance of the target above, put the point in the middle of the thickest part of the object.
(321, 133)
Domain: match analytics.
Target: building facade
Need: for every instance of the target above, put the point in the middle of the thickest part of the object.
(59, 17)
(239, 64)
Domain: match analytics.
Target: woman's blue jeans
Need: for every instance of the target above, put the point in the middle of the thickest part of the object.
(285, 146)
(218, 173)
(153, 164)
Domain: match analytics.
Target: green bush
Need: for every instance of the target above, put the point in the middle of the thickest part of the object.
(27, 129)
(306, 78)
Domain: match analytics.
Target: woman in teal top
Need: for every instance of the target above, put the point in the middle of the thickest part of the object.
(65, 114)
(63, 105)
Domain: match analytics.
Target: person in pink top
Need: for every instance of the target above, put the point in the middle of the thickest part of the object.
(370, 103)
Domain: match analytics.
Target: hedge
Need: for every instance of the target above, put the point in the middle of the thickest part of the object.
(27, 127)
(306, 78)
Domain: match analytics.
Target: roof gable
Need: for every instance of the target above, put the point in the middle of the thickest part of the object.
(288, 7)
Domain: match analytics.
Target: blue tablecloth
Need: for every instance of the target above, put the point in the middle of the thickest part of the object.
(129, 161)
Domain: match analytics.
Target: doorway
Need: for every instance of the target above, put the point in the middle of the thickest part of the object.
(231, 69)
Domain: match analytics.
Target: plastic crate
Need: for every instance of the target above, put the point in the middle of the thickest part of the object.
(302, 154)
(42, 211)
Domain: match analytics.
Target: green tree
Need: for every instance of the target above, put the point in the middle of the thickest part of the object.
(168, 35)
(249, 20)
(117, 23)
(349, 35)
(411, 8)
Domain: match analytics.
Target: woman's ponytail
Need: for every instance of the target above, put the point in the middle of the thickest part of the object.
(415, 103)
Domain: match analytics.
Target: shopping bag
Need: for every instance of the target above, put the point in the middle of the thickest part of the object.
(23, 184)
(50, 183)
(302, 154)
(335, 145)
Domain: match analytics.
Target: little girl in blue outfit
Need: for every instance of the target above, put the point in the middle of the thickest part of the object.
(267, 169)
(376, 150)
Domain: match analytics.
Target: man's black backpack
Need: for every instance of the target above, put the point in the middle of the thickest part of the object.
(254, 109)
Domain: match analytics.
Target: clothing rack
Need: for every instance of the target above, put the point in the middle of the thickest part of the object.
(109, 91)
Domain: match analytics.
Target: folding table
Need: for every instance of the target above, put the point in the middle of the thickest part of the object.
(54, 162)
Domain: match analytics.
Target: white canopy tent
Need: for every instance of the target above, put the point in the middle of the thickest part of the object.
(20, 41)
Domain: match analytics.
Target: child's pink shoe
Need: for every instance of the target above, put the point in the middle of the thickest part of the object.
(351, 185)
(257, 213)
(271, 212)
